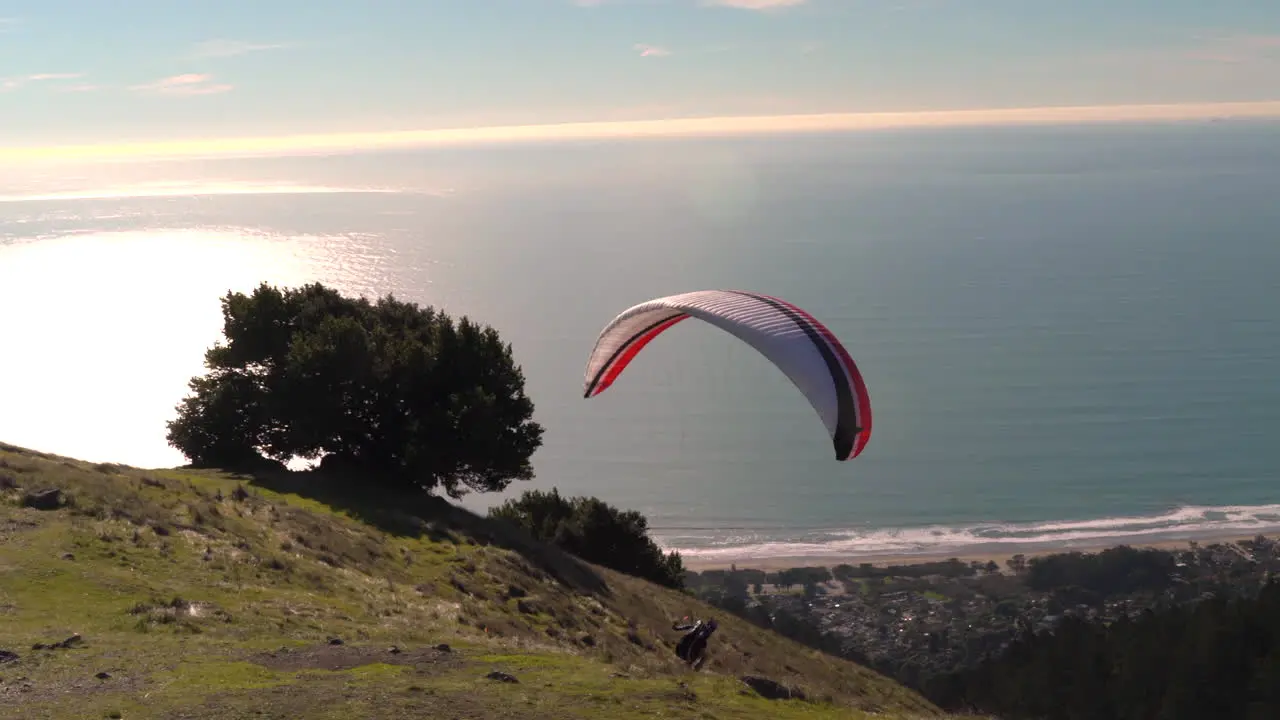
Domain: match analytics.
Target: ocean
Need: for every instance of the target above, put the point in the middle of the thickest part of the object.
(1069, 335)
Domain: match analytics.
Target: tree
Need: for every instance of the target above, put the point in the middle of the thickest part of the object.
(594, 531)
(1017, 563)
(810, 589)
(402, 393)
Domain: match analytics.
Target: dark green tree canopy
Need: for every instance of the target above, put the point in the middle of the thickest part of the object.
(399, 392)
(594, 531)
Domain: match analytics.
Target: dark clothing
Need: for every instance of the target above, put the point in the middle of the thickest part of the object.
(682, 647)
(694, 643)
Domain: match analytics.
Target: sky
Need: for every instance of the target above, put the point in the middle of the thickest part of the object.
(162, 74)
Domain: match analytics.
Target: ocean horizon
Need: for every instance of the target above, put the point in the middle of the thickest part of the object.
(1069, 335)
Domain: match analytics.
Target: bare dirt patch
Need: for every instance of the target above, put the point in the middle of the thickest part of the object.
(346, 657)
(17, 688)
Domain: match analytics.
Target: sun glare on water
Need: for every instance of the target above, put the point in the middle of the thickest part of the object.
(100, 332)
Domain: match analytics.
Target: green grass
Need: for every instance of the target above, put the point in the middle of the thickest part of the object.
(211, 595)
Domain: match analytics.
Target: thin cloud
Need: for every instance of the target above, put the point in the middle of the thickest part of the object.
(231, 48)
(185, 84)
(758, 5)
(190, 189)
(650, 50)
(356, 142)
(14, 83)
(54, 76)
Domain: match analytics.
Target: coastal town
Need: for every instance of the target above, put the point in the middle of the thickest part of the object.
(916, 621)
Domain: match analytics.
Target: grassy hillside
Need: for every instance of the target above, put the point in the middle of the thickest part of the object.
(186, 594)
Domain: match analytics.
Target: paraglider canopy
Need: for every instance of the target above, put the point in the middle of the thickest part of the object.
(792, 339)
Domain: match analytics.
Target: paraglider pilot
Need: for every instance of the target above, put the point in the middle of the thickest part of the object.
(692, 648)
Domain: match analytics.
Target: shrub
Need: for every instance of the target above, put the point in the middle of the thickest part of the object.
(596, 532)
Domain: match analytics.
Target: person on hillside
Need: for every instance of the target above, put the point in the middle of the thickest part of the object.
(692, 648)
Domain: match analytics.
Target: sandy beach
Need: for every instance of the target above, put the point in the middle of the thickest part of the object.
(999, 554)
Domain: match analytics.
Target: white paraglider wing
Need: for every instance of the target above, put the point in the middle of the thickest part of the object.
(800, 346)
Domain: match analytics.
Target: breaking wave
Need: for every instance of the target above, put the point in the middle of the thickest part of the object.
(1191, 522)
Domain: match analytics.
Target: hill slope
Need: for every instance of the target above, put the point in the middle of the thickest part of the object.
(190, 594)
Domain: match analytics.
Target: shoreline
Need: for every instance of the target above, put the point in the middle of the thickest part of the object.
(997, 552)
